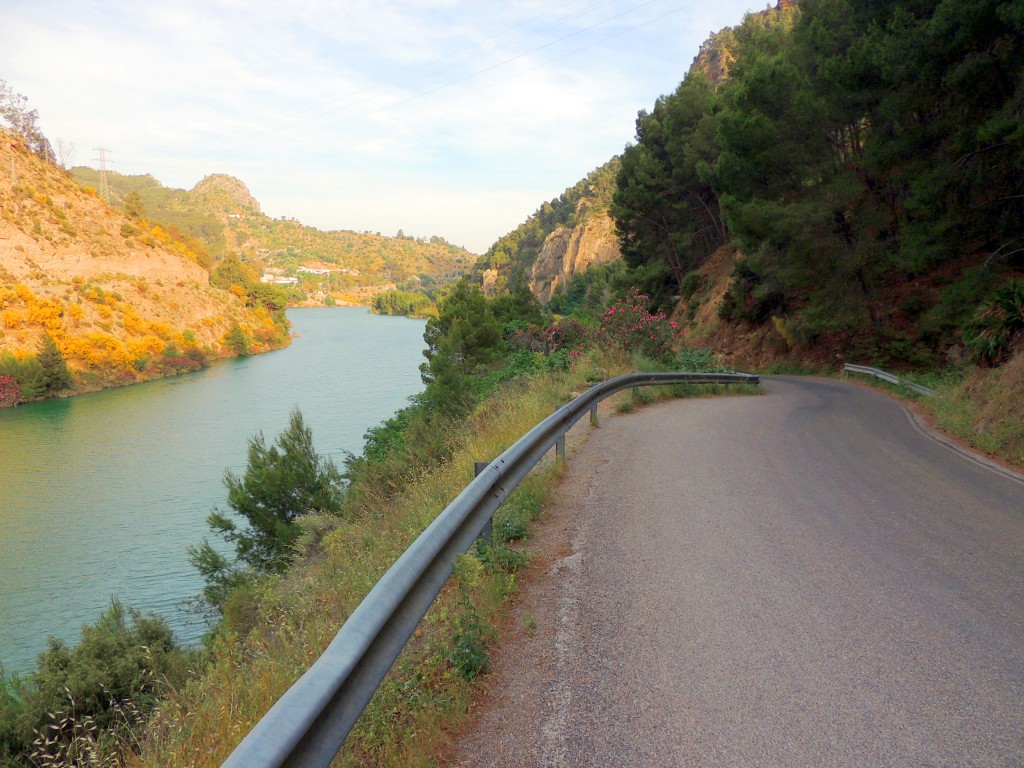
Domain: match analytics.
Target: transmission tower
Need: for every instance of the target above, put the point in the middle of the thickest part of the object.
(104, 187)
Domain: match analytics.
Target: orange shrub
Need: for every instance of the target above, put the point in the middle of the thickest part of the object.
(163, 330)
(13, 318)
(134, 323)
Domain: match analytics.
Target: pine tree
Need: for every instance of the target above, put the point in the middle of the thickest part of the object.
(57, 377)
(281, 483)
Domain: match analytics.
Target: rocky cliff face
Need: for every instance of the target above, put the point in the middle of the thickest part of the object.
(567, 251)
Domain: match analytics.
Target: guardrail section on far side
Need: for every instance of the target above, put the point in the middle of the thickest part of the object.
(889, 377)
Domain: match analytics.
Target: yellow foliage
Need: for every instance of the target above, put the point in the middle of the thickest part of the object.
(105, 312)
(160, 234)
(7, 296)
(238, 290)
(163, 330)
(99, 350)
(45, 313)
(134, 323)
(75, 312)
(13, 318)
(24, 292)
(146, 346)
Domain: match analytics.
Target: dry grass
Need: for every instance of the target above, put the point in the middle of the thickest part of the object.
(292, 618)
(986, 409)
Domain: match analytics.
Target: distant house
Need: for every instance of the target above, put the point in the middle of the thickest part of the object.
(278, 279)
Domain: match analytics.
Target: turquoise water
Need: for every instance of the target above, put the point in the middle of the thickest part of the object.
(100, 494)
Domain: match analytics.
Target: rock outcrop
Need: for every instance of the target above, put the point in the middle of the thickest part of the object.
(716, 56)
(228, 193)
(567, 251)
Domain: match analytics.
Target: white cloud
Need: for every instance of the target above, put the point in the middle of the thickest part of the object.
(449, 117)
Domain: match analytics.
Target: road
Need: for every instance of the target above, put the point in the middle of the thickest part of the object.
(804, 578)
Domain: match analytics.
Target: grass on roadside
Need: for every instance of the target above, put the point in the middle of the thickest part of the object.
(284, 622)
(984, 407)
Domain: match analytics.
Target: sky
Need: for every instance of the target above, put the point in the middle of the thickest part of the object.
(456, 118)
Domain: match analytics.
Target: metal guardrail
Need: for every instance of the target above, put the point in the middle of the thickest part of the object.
(889, 377)
(309, 723)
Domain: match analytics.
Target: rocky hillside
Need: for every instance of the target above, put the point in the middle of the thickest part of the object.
(571, 250)
(575, 231)
(562, 238)
(806, 211)
(123, 300)
(718, 53)
(222, 215)
(225, 194)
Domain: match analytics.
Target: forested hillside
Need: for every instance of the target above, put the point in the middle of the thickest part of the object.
(863, 164)
(222, 215)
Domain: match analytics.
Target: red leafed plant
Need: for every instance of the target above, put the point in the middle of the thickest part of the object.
(10, 391)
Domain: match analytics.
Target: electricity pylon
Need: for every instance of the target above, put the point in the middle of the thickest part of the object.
(104, 187)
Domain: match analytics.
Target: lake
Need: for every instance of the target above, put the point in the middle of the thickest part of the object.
(100, 494)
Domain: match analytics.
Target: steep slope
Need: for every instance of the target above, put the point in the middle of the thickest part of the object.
(863, 163)
(124, 302)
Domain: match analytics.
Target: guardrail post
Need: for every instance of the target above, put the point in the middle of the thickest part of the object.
(560, 440)
(594, 419)
(485, 535)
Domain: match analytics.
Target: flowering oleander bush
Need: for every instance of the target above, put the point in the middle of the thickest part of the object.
(628, 325)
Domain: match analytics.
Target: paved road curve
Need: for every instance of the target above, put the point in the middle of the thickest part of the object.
(799, 579)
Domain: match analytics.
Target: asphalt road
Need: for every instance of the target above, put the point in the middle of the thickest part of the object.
(805, 578)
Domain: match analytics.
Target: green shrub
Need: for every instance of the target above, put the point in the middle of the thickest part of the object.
(509, 527)
(237, 340)
(80, 695)
(697, 360)
(690, 284)
(997, 328)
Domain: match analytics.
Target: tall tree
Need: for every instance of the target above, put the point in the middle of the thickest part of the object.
(462, 338)
(664, 208)
(23, 121)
